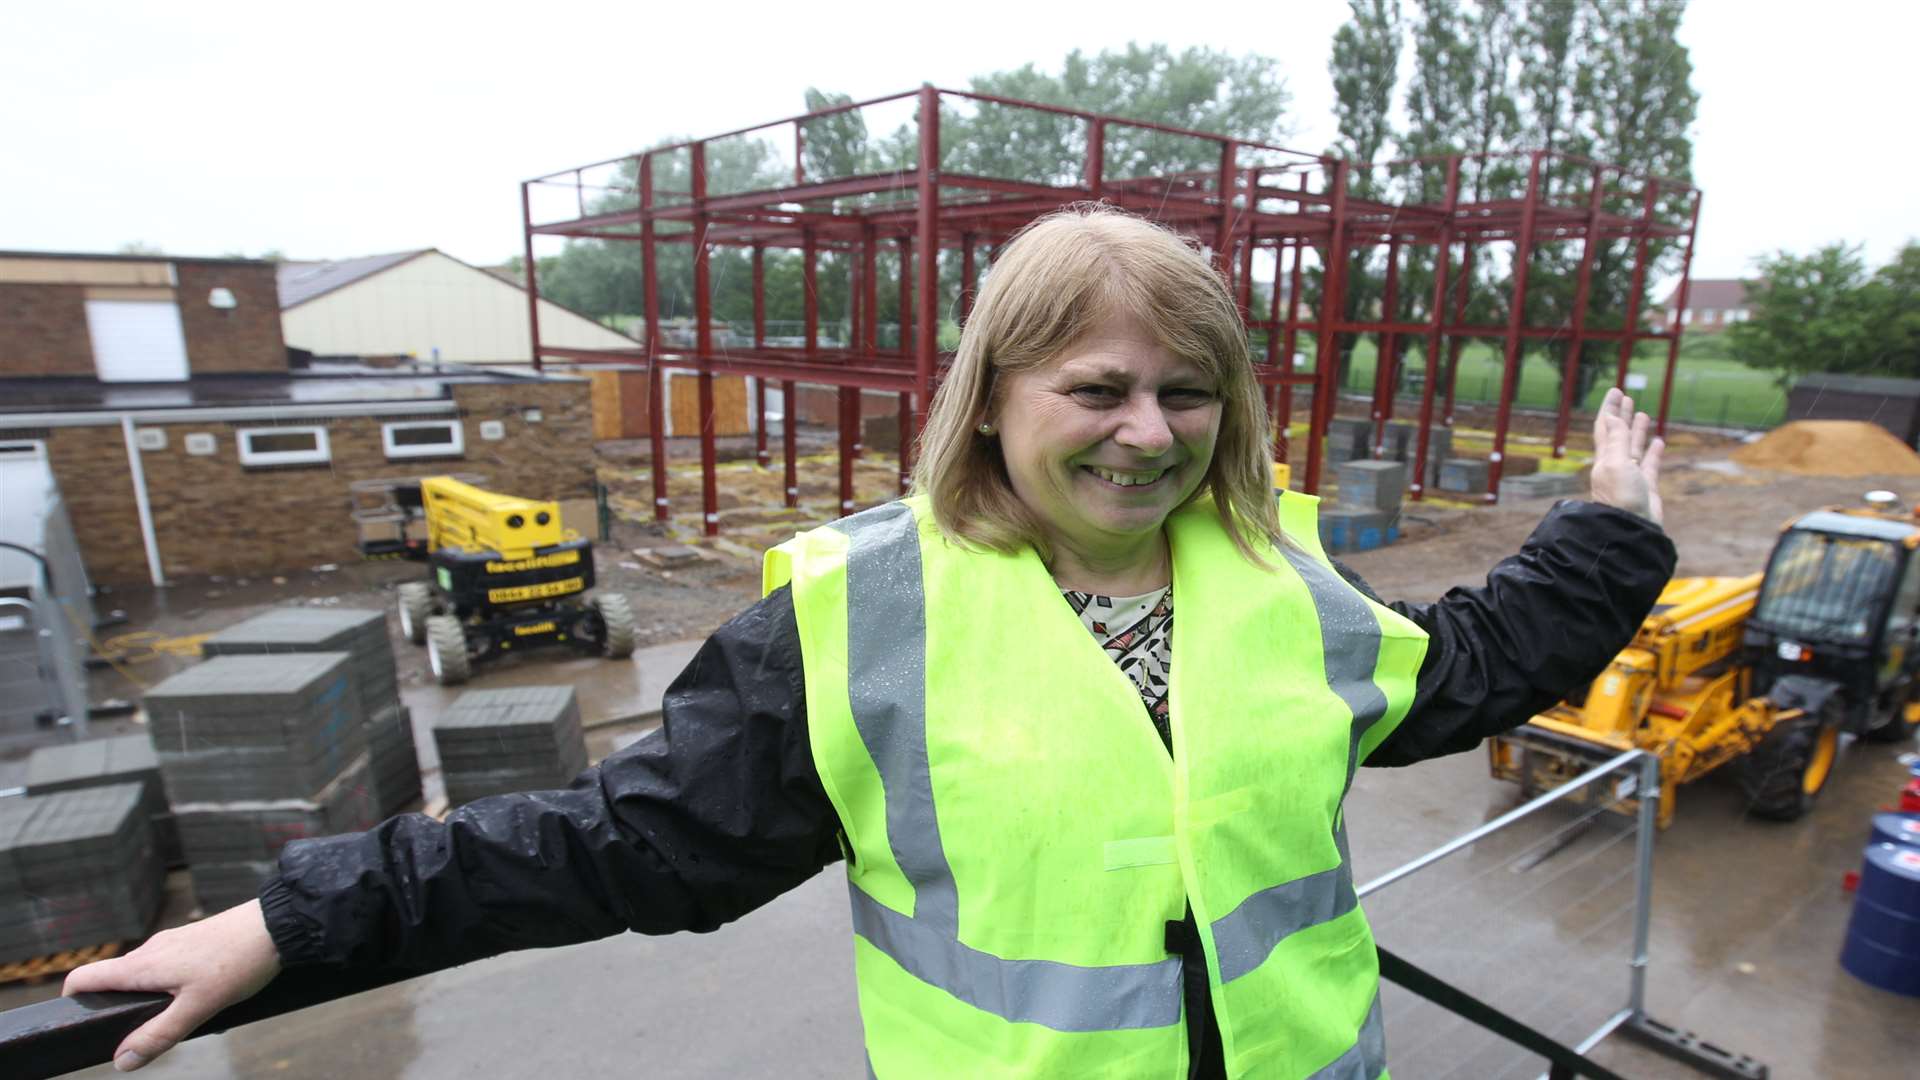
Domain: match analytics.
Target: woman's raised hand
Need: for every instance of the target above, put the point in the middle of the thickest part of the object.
(1626, 463)
(206, 966)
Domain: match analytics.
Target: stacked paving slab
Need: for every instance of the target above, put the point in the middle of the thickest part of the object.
(1541, 485)
(525, 738)
(258, 750)
(121, 759)
(363, 636)
(78, 868)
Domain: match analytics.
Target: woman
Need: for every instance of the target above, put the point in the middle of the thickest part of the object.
(1072, 847)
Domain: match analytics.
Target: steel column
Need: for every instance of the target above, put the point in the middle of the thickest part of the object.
(1455, 342)
(656, 379)
(1290, 342)
(810, 316)
(1384, 372)
(1582, 293)
(533, 283)
(1442, 254)
(1326, 352)
(1643, 229)
(1680, 304)
(925, 355)
(969, 279)
(1516, 318)
(1096, 168)
(1223, 231)
(789, 438)
(759, 342)
(703, 340)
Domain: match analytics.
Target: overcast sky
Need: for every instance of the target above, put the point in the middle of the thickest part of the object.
(346, 128)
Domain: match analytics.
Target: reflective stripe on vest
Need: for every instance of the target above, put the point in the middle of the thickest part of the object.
(886, 681)
(1246, 935)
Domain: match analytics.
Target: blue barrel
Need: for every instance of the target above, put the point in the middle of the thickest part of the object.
(1896, 829)
(1883, 937)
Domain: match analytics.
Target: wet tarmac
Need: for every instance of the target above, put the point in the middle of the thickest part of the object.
(1747, 923)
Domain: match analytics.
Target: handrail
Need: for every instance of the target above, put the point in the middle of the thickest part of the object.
(55, 1037)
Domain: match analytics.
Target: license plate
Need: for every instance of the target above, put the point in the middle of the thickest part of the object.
(516, 593)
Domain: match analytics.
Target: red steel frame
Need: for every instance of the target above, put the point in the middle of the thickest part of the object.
(1260, 198)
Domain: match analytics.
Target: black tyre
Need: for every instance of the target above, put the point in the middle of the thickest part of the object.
(1785, 774)
(617, 634)
(1894, 724)
(416, 604)
(447, 650)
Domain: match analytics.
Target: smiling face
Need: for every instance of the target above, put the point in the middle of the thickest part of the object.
(1104, 441)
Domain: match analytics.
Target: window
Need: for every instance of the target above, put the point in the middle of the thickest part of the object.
(423, 438)
(1687, 316)
(137, 340)
(283, 445)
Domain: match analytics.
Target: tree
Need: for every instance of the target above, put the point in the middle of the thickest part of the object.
(1365, 66)
(1825, 313)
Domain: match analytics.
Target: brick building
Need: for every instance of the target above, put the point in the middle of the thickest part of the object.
(183, 442)
(1712, 304)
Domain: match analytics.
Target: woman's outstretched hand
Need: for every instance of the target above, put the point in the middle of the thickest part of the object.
(206, 966)
(1626, 463)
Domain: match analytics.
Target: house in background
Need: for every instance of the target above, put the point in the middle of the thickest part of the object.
(181, 442)
(1712, 304)
(430, 306)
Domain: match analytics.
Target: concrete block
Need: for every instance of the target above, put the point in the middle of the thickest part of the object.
(1463, 476)
(1346, 528)
(1372, 485)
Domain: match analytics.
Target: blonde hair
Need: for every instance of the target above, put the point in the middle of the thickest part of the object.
(1057, 280)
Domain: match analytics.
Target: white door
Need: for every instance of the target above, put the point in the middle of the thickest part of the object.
(137, 340)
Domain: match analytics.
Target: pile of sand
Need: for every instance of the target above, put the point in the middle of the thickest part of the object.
(1831, 448)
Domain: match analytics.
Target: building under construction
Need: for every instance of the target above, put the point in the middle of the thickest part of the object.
(1422, 255)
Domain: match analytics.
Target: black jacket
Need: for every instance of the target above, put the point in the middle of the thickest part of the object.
(725, 812)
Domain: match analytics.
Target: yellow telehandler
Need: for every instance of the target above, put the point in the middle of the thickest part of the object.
(1765, 672)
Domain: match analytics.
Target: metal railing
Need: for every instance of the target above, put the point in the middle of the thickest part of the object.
(1635, 777)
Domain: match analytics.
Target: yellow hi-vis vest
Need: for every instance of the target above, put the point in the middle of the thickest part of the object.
(1017, 837)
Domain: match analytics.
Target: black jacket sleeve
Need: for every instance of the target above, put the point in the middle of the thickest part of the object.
(723, 810)
(687, 829)
(1549, 619)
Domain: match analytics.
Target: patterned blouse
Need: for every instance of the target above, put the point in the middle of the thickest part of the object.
(1137, 632)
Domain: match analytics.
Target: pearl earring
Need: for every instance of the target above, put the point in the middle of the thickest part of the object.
(986, 429)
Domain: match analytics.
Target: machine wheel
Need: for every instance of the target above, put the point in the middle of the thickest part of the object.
(447, 650)
(1788, 770)
(416, 604)
(616, 619)
(1895, 726)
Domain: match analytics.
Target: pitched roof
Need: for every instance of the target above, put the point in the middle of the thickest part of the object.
(1715, 294)
(303, 281)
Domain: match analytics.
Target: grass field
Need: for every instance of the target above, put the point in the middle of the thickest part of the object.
(1708, 388)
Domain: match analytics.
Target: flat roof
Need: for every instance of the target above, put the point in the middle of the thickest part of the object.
(335, 385)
